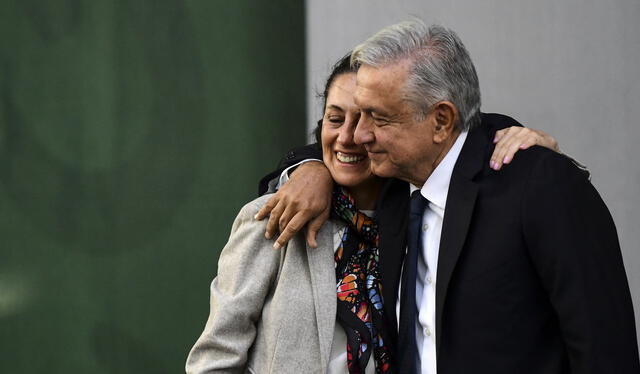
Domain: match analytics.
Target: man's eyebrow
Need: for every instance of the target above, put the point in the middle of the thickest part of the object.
(377, 111)
(367, 109)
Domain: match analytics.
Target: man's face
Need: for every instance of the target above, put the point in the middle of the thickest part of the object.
(398, 145)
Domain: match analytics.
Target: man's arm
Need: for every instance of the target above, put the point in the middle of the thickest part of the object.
(294, 156)
(574, 245)
(306, 198)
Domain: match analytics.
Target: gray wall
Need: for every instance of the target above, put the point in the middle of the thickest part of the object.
(571, 68)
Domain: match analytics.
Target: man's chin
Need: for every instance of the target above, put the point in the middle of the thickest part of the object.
(383, 170)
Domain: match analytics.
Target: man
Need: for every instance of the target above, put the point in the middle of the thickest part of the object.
(511, 272)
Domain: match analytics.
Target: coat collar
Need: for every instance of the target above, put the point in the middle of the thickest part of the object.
(436, 187)
(463, 191)
(392, 216)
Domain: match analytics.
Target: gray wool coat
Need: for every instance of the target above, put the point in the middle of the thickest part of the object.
(271, 311)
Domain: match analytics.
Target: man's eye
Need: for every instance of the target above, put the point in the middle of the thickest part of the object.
(380, 121)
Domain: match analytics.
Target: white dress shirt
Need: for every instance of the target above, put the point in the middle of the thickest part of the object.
(435, 189)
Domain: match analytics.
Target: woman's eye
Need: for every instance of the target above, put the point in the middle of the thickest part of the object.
(336, 119)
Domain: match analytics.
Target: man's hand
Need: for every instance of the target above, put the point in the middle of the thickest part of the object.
(511, 140)
(304, 200)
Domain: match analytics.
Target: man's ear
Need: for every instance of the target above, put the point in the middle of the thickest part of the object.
(445, 115)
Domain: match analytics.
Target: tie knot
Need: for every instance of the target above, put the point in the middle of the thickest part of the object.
(418, 203)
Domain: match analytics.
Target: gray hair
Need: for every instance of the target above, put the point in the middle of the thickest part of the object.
(441, 68)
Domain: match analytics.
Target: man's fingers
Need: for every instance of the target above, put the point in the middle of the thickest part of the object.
(306, 195)
(295, 224)
(267, 208)
(285, 217)
(314, 226)
(274, 220)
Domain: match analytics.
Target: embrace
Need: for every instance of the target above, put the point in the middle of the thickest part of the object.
(423, 252)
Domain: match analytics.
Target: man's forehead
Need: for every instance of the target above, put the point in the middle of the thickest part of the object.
(380, 82)
(362, 96)
(388, 73)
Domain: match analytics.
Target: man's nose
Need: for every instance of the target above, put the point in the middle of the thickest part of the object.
(363, 133)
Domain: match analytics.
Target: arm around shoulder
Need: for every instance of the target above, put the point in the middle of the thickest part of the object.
(291, 158)
(247, 269)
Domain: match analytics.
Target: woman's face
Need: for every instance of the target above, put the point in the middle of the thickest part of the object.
(347, 161)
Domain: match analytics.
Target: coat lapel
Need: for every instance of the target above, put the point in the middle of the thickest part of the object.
(461, 199)
(392, 216)
(323, 280)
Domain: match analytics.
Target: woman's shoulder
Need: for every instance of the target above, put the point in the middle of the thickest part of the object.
(246, 238)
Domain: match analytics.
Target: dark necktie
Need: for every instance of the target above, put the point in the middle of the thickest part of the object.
(407, 349)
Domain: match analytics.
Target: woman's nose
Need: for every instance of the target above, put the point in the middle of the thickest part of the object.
(363, 133)
(345, 136)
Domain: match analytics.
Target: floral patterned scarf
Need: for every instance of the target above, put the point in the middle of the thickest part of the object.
(359, 287)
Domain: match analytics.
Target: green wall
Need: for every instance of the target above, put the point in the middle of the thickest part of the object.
(131, 132)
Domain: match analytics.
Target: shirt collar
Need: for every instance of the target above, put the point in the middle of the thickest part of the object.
(436, 188)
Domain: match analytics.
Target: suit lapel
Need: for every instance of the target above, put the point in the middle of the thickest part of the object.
(461, 199)
(454, 231)
(392, 216)
(323, 281)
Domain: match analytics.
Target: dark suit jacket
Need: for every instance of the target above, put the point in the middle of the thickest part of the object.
(530, 277)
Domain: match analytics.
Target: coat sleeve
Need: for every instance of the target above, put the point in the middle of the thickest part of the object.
(574, 245)
(294, 156)
(247, 269)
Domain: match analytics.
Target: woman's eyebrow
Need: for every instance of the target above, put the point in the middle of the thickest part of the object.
(334, 106)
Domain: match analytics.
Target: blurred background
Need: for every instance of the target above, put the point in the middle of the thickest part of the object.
(131, 133)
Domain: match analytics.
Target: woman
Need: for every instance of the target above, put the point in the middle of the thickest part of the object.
(281, 311)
